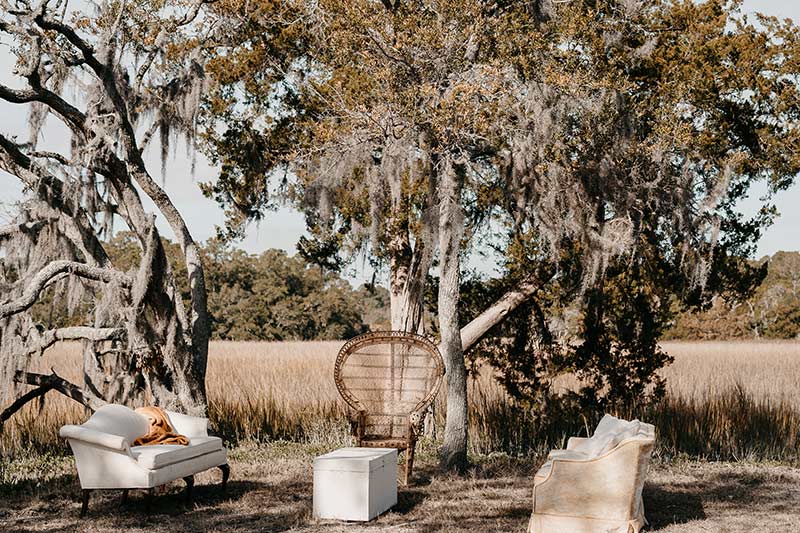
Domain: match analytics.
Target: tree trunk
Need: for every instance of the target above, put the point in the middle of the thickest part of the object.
(410, 263)
(473, 332)
(143, 346)
(406, 297)
(451, 230)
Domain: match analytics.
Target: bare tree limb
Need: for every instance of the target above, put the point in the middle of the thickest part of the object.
(496, 313)
(52, 336)
(55, 382)
(57, 267)
(71, 114)
(27, 227)
(20, 402)
(52, 155)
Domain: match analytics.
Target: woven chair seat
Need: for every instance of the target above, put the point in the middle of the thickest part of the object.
(376, 441)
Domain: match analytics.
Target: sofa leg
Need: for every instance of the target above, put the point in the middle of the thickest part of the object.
(124, 499)
(189, 485)
(226, 472)
(148, 499)
(85, 501)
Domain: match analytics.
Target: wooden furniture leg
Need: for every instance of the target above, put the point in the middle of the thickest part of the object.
(148, 500)
(409, 463)
(226, 472)
(85, 501)
(189, 485)
(124, 499)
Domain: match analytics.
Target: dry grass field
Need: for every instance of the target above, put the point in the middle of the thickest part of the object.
(278, 407)
(737, 394)
(271, 491)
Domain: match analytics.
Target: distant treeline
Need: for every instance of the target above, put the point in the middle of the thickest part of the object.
(269, 296)
(772, 312)
(272, 296)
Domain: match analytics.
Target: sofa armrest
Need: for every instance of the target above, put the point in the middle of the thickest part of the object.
(93, 436)
(187, 425)
(576, 443)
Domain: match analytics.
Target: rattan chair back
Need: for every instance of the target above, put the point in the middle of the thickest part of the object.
(388, 375)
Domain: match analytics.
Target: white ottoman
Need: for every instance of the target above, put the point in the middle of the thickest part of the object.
(355, 483)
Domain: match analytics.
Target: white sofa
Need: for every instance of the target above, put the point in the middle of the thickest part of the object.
(106, 460)
(595, 485)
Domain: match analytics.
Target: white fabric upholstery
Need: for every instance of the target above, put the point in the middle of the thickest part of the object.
(118, 420)
(190, 426)
(105, 459)
(595, 485)
(92, 436)
(159, 456)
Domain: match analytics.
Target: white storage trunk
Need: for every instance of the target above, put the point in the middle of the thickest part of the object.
(355, 483)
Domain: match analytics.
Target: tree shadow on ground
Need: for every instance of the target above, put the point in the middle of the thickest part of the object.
(681, 502)
(10, 492)
(263, 506)
(664, 507)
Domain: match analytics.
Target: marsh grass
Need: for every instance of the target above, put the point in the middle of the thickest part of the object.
(726, 401)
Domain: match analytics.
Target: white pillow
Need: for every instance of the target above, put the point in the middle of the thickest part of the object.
(625, 431)
(606, 424)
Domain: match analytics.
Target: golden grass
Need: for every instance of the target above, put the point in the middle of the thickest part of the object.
(766, 370)
(267, 391)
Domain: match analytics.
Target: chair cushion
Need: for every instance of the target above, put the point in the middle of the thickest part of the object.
(625, 431)
(161, 455)
(567, 454)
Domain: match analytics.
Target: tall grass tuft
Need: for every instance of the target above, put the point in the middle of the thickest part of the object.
(726, 401)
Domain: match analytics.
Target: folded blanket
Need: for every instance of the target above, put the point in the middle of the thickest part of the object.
(160, 431)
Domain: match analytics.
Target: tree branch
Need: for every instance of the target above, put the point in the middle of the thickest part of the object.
(21, 401)
(53, 269)
(55, 382)
(24, 227)
(52, 336)
(496, 313)
(71, 114)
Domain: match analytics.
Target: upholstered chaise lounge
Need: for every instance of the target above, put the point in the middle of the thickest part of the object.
(106, 460)
(595, 485)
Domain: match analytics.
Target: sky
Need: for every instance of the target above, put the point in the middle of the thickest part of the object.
(283, 228)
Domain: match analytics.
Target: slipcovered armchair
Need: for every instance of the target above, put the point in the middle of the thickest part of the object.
(106, 460)
(595, 485)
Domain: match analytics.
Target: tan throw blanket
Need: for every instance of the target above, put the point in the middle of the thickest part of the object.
(160, 431)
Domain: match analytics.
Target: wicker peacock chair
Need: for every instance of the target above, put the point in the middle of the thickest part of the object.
(389, 379)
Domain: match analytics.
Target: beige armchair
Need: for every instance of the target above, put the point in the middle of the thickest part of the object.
(595, 485)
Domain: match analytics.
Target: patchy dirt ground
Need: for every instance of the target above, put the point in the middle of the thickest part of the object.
(271, 487)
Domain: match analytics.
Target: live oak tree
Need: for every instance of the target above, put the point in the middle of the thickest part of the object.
(717, 97)
(115, 79)
(407, 130)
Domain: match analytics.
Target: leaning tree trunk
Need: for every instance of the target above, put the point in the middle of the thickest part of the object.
(141, 345)
(451, 230)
